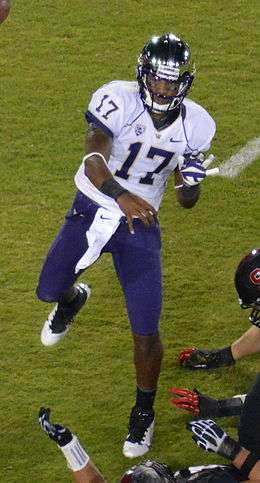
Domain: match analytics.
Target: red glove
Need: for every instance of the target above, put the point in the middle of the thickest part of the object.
(185, 355)
(188, 400)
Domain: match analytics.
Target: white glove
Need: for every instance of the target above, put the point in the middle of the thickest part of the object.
(193, 170)
(212, 438)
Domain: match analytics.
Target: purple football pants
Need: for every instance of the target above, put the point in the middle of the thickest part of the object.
(136, 260)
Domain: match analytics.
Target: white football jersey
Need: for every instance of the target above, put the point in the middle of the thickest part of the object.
(142, 157)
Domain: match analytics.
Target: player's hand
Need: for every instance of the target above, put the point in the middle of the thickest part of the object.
(60, 434)
(135, 207)
(211, 437)
(193, 358)
(193, 169)
(195, 402)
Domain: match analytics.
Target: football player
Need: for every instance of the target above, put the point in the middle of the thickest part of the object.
(209, 436)
(5, 6)
(247, 283)
(140, 133)
(247, 406)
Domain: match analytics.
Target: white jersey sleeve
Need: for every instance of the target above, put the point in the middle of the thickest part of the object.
(199, 127)
(107, 108)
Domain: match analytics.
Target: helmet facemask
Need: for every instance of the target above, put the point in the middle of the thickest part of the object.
(254, 317)
(150, 96)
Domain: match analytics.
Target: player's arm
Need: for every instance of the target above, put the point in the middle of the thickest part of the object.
(98, 151)
(247, 344)
(211, 438)
(5, 6)
(189, 173)
(89, 474)
(84, 470)
(187, 196)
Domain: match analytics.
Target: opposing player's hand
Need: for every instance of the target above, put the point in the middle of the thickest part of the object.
(135, 207)
(60, 434)
(211, 437)
(193, 358)
(193, 169)
(186, 399)
(195, 402)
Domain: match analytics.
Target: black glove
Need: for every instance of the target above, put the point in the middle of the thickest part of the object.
(212, 438)
(60, 434)
(193, 358)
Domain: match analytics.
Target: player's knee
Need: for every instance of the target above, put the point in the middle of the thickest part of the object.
(148, 343)
(45, 295)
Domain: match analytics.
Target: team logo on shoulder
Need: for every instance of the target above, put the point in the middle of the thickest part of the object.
(255, 276)
(139, 129)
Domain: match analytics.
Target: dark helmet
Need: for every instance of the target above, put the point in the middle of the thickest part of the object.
(247, 282)
(164, 58)
(149, 472)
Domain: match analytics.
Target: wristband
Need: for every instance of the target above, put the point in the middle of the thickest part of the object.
(226, 356)
(112, 188)
(229, 448)
(94, 154)
(76, 456)
(248, 465)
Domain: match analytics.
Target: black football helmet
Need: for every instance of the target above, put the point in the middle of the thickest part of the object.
(149, 472)
(247, 282)
(164, 58)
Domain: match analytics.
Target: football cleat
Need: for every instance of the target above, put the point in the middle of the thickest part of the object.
(139, 439)
(58, 323)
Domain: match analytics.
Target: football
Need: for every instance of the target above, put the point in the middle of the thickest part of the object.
(4, 9)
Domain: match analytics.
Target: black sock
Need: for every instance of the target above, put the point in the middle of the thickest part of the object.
(68, 297)
(145, 398)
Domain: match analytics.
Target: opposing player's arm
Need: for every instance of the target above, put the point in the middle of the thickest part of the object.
(98, 151)
(212, 438)
(89, 474)
(83, 469)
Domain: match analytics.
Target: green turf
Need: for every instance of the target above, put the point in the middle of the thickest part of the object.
(53, 55)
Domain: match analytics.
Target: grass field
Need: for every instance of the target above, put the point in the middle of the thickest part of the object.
(54, 54)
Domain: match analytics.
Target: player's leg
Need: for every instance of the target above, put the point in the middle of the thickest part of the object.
(58, 272)
(139, 270)
(249, 435)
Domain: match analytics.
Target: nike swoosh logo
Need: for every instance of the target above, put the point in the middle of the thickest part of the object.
(176, 141)
(104, 218)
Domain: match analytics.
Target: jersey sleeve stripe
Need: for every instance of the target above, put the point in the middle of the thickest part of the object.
(94, 120)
